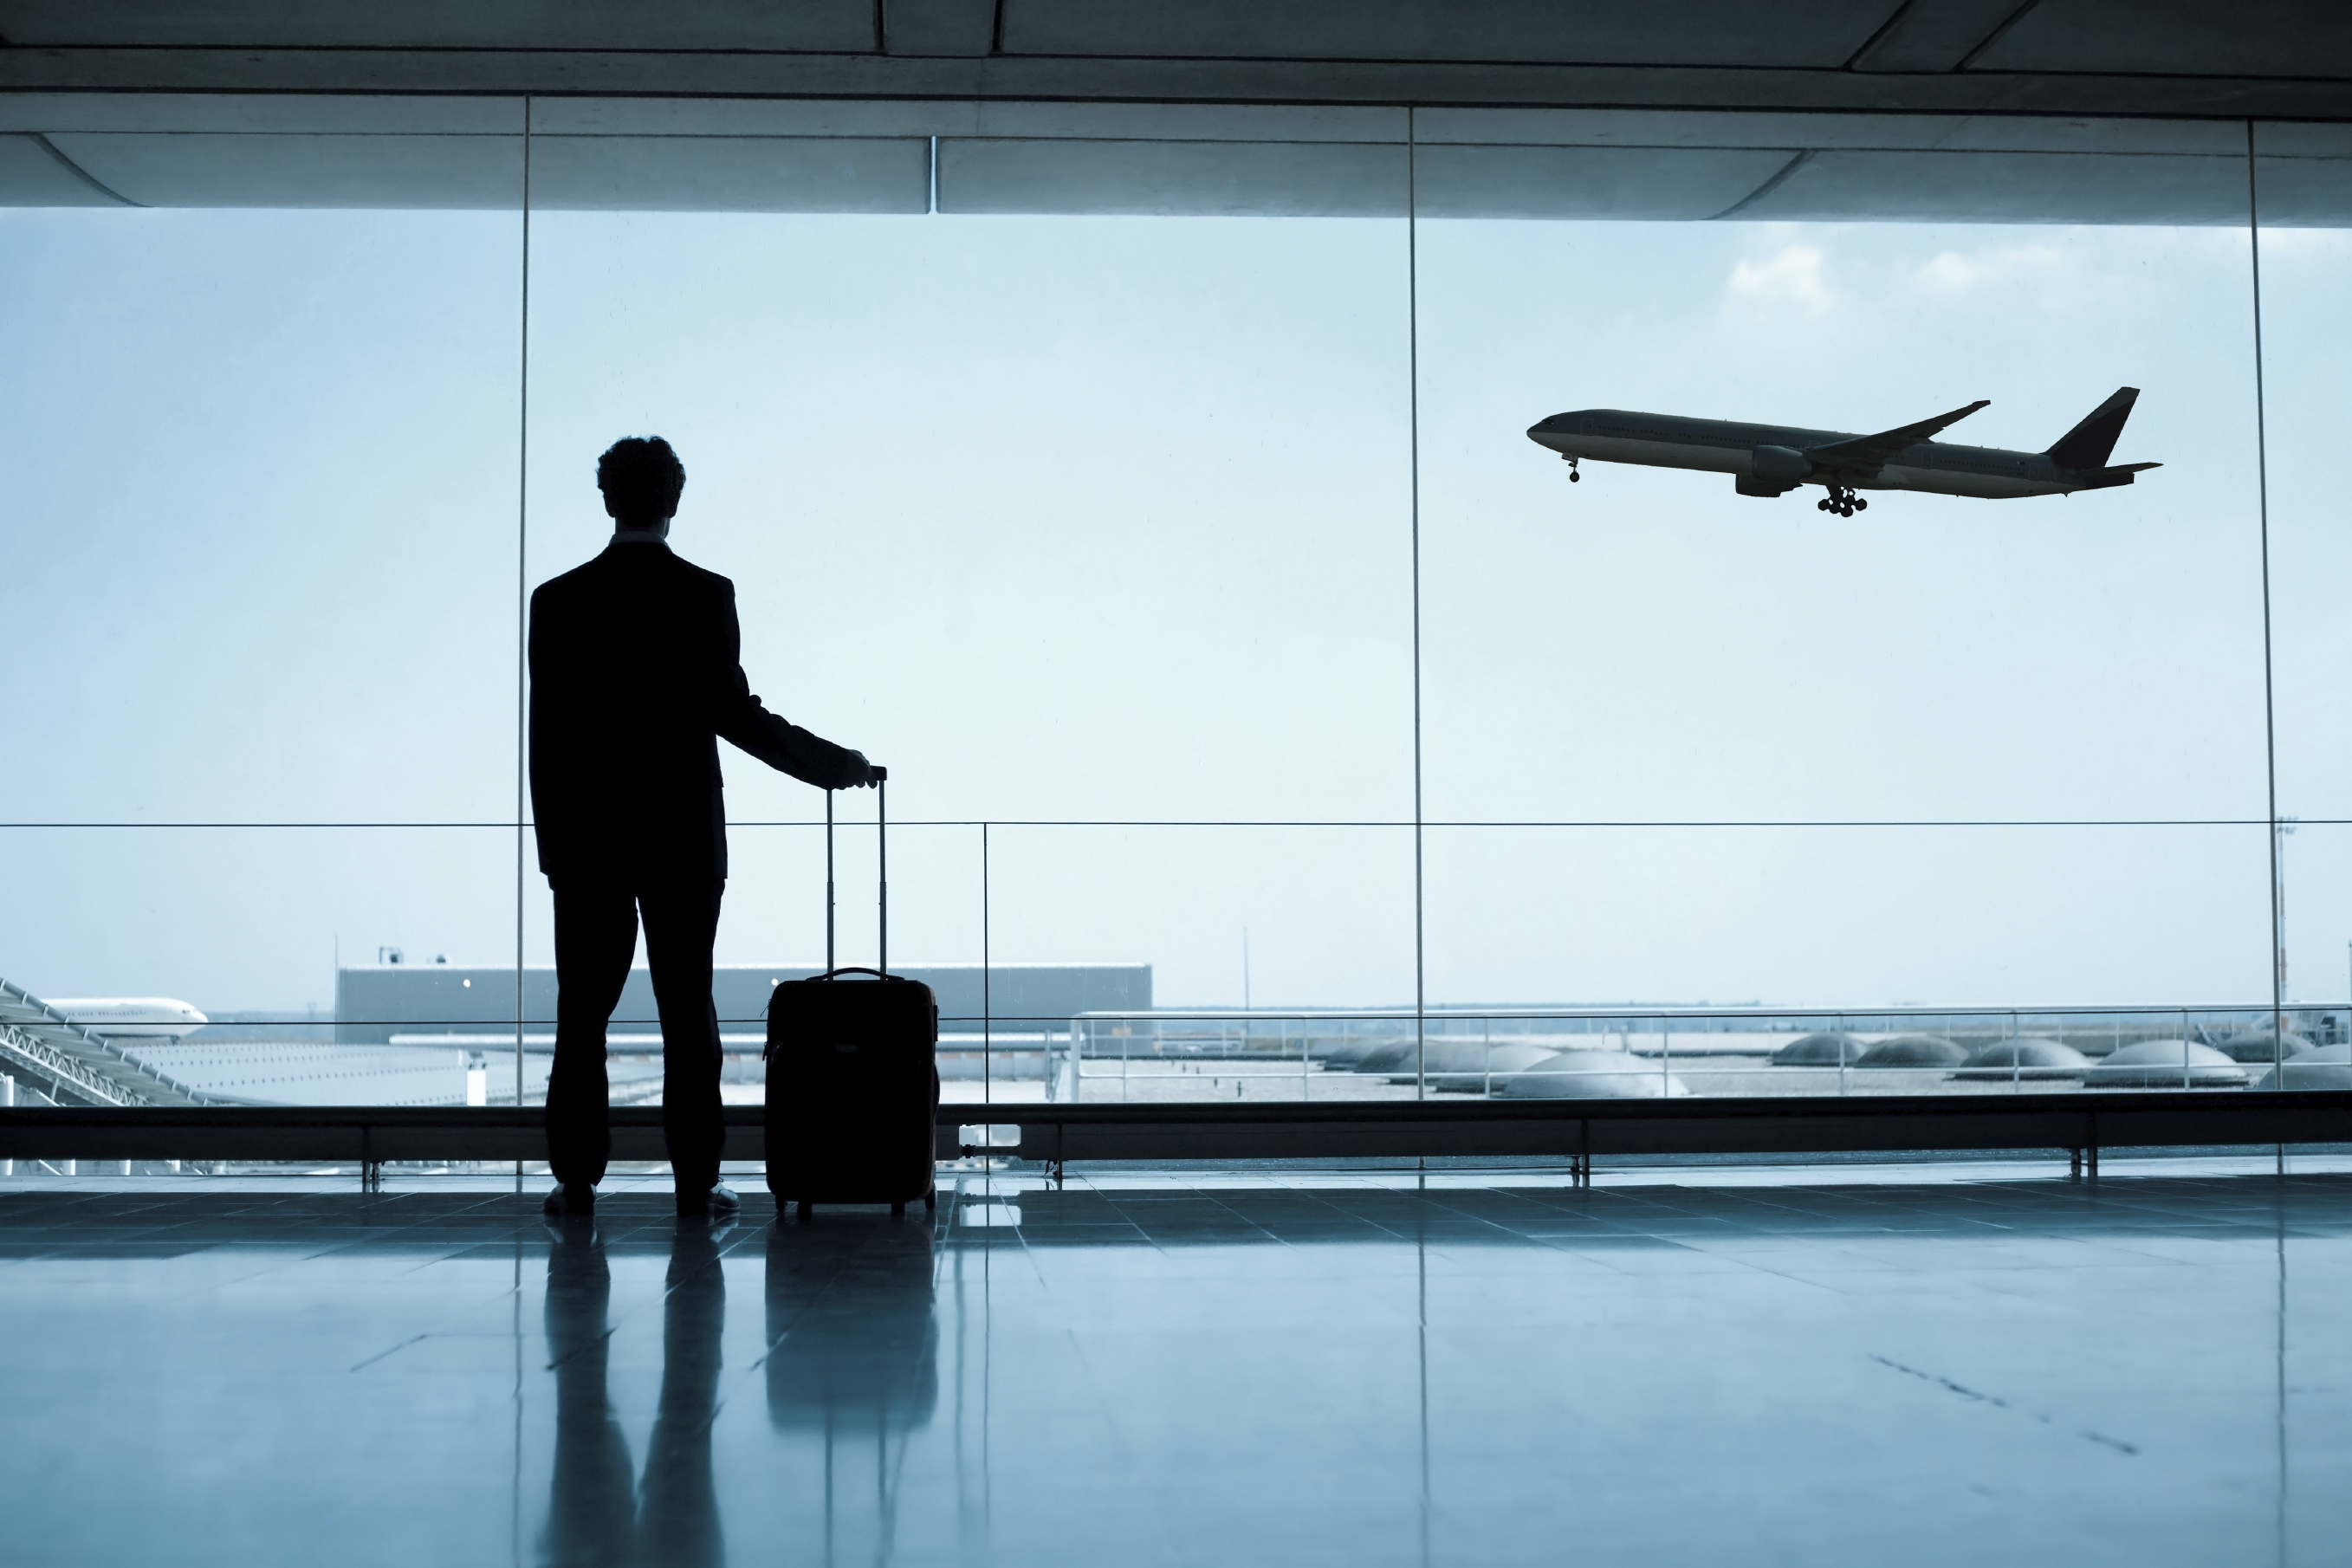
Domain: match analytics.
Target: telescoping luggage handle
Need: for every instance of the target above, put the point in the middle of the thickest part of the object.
(882, 836)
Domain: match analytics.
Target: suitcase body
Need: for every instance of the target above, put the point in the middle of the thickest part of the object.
(853, 1089)
(853, 1072)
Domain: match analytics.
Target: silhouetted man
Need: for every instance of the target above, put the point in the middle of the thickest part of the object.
(636, 674)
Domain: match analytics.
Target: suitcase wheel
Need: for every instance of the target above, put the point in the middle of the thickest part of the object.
(897, 1211)
(931, 1201)
(804, 1208)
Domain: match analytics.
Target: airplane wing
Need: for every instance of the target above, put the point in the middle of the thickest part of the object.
(1864, 454)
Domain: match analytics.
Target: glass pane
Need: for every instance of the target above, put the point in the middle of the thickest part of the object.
(1056, 517)
(1650, 645)
(224, 961)
(264, 566)
(1267, 948)
(2305, 319)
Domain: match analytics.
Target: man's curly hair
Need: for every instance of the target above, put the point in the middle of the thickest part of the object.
(642, 479)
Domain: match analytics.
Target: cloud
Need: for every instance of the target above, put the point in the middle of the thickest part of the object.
(1793, 276)
(1955, 272)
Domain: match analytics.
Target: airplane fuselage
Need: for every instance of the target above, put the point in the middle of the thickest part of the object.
(131, 1018)
(1728, 446)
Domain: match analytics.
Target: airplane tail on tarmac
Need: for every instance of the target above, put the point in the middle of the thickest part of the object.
(2086, 446)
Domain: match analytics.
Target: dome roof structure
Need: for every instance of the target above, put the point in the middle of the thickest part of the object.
(1386, 1057)
(1826, 1049)
(2028, 1057)
(2304, 1073)
(2254, 1045)
(1347, 1051)
(2321, 1066)
(1914, 1051)
(1589, 1075)
(1471, 1067)
(2166, 1064)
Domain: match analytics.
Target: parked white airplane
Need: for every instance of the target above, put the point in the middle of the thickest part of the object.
(1773, 460)
(141, 1017)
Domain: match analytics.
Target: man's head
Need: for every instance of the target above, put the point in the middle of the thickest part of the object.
(641, 478)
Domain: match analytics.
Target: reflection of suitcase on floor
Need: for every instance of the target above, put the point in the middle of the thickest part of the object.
(853, 1076)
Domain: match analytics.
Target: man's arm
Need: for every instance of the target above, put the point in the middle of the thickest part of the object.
(740, 717)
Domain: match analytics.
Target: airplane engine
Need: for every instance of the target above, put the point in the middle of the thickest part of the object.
(1783, 468)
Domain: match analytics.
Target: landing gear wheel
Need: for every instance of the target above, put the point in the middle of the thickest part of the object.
(1821, 506)
(1574, 476)
(1860, 504)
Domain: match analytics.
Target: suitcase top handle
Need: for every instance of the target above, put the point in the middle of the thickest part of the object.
(851, 969)
(882, 836)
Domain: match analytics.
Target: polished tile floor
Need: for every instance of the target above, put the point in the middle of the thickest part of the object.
(1979, 1368)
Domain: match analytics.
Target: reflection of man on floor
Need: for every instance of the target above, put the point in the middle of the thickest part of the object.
(591, 1520)
(590, 1516)
(677, 1499)
(635, 678)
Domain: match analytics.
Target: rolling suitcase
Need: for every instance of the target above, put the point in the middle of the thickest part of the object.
(853, 1073)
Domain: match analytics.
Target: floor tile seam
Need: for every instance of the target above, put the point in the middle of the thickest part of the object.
(1107, 1412)
(1458, 1210)
(1776, 1273)
(815, 1298)
(1229, 1209)
(1333, 1206)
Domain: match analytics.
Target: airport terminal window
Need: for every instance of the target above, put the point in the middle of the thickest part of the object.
(2305, 322)
(260, 597)
(1072, 521)
(1689, 667)
(1123, 533)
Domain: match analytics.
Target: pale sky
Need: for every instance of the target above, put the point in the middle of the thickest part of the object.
(1111, 520)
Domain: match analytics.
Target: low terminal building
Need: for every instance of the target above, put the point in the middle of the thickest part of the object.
(422, 1003)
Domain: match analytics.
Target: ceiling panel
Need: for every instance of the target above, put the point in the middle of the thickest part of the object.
(1614, 182)
(954, 28)
(2245, 37)
(356, 112)
(808, 156)
(750, 117)
(1240, 179)
(804, 24)
(732, 174)
(2010, 187)
(33, 176)
(1934, 35)
(1822, 34)
(2305, 192)
(208, 169)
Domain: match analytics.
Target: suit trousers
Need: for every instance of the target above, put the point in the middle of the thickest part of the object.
(596, 940)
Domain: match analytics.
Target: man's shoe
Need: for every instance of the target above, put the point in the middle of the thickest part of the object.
(719, 1203)
(571, 1198)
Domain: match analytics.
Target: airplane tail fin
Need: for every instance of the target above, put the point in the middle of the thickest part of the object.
(2086, 446)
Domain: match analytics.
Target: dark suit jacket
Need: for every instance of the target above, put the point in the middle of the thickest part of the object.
(635, 673)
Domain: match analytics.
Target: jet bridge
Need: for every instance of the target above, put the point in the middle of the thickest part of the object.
(73, 1066)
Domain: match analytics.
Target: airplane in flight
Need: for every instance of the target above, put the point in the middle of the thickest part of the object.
(1773, 460)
